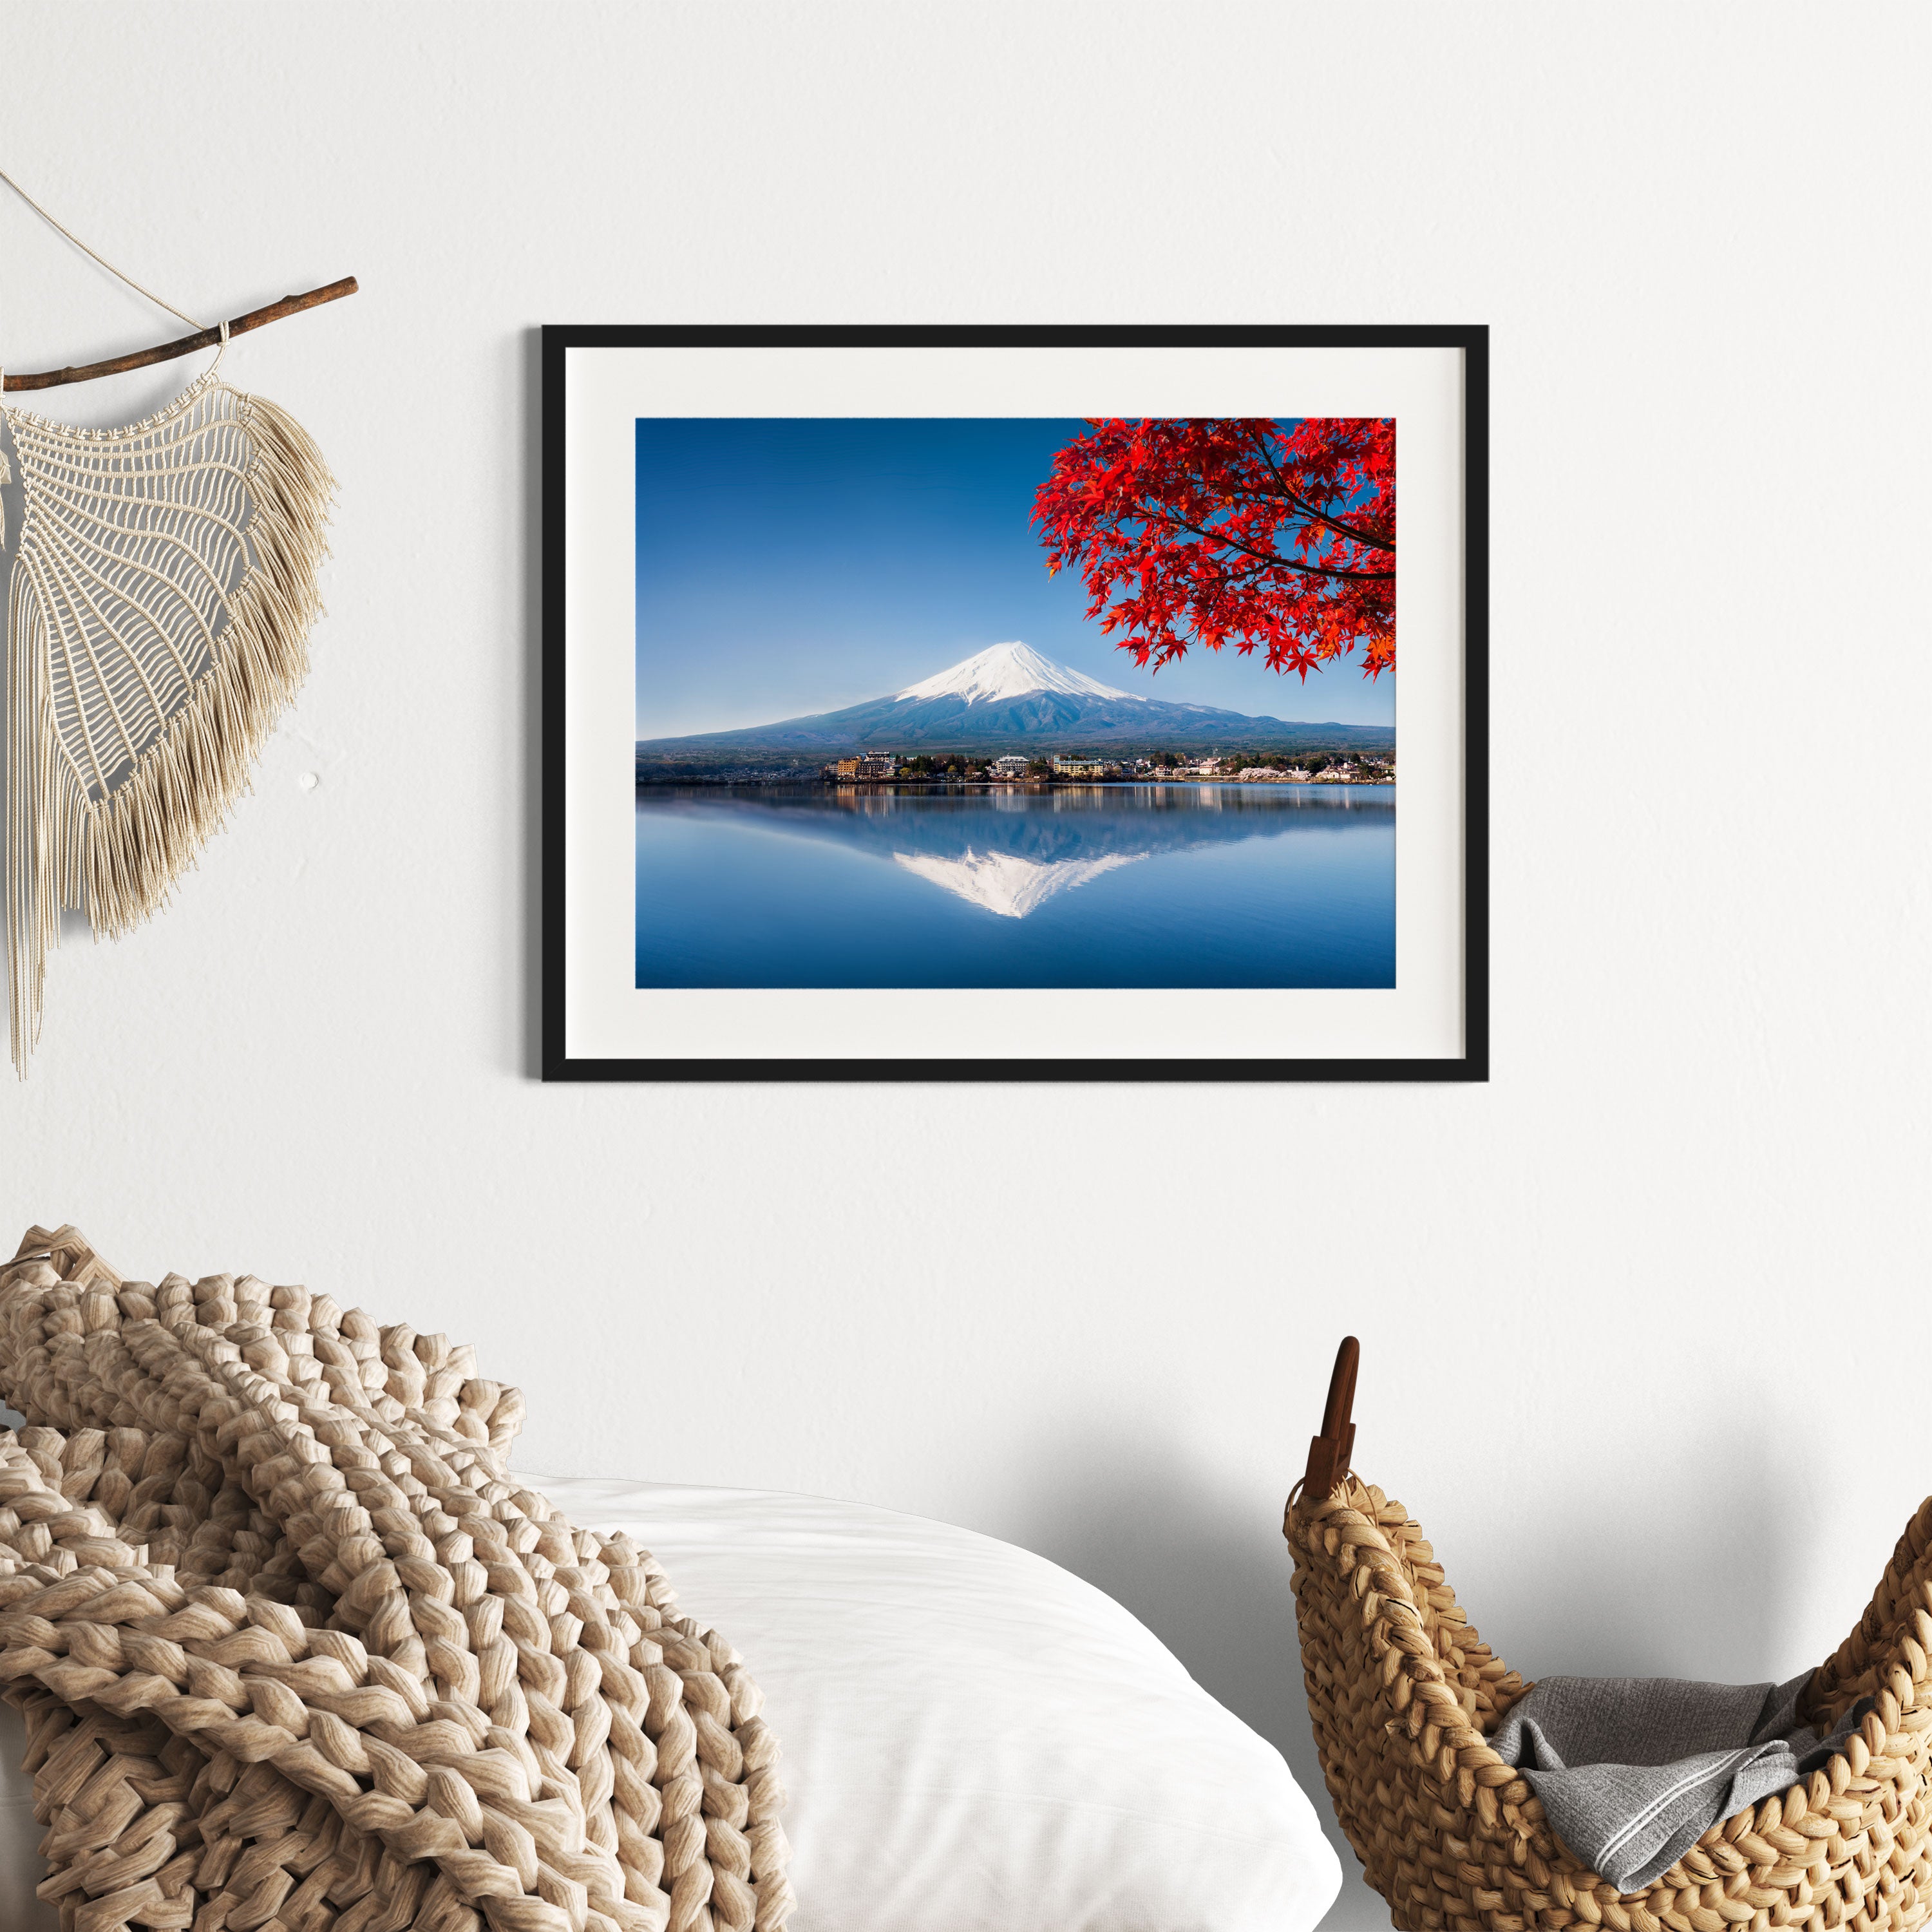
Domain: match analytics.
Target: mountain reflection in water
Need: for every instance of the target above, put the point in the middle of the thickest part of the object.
(1286, 885)
(1004, 883)
(1011, 851)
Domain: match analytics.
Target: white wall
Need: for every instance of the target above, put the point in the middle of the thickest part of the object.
(1641, 1317)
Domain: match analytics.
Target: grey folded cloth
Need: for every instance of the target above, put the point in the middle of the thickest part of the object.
(1633, 1771)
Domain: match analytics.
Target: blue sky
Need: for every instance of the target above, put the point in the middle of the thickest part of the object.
(797, 564)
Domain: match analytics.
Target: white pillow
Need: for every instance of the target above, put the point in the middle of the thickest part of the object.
(973, 1737)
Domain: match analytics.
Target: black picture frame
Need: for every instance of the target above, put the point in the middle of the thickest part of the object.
(557, 1063)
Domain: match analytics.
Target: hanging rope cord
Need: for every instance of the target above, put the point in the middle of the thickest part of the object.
(120, 274)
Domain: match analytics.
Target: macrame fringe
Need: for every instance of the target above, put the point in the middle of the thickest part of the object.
(138, 842)
(46, 808)
(117, 858)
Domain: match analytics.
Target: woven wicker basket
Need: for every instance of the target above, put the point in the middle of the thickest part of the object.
(1403, 1693)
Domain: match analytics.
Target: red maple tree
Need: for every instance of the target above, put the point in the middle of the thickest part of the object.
(1243, 530)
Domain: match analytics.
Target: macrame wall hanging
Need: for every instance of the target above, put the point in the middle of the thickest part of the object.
(161, 587)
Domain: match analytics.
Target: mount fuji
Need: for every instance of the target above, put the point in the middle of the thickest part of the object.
(1010, 697)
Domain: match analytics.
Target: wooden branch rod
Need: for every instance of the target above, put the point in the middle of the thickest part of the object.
(206, 338)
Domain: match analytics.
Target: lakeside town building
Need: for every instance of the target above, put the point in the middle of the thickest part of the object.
(1013, 766)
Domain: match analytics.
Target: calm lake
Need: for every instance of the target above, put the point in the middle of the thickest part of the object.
(1118, 885)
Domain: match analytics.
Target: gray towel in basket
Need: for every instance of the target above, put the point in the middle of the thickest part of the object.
(1633, 1771)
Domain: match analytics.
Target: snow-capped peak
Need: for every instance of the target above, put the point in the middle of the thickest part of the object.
(1009, 670)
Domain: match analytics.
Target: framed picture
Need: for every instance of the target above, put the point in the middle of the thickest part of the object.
(1015, 704)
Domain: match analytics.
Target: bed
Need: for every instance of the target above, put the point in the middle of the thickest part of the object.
(972, 1737)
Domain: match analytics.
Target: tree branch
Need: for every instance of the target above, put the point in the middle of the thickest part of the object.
(186, 345)
(1308, 509)
(1266, 555)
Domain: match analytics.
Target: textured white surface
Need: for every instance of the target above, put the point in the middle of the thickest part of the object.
(1594, 1296)
(973, 1737)
(1011, 670)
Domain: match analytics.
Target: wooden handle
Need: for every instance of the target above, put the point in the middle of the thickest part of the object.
(1329, 1452)
(185, 345)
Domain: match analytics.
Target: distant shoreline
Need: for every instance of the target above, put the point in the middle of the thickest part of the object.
(807, 784)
